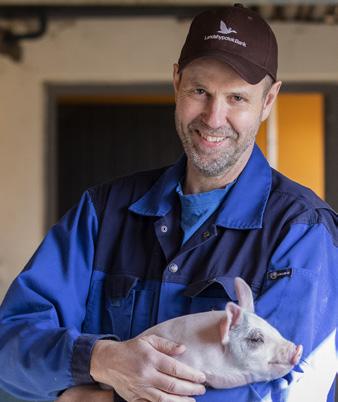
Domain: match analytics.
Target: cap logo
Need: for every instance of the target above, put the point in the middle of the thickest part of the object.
(225, 30)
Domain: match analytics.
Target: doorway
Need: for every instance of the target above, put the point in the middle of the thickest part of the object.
(98, 133)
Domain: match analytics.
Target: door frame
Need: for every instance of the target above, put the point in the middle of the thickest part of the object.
(86, 93)
(107, 93)
(330, 129)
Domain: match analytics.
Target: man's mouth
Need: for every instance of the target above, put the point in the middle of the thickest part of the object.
(210, 138)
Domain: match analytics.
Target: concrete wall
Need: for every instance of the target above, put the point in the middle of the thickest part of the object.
(124, 50)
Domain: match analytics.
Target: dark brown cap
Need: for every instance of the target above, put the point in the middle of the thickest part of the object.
(236, 35)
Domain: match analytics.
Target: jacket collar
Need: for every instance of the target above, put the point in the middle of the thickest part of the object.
(161, 197)
(243, 207)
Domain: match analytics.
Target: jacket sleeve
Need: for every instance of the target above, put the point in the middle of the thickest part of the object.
(42, 348)
(300, 298)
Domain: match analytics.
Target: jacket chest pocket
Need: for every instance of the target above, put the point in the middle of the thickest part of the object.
(129, 306)
(210, 294)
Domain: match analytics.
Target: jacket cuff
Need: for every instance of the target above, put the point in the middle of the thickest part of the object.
(82, 352)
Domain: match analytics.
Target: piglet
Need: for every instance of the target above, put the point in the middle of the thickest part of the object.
(233, 347)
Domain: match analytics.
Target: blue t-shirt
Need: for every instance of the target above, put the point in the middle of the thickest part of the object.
(197, 208)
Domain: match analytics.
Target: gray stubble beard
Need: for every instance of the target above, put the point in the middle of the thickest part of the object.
(225, 161)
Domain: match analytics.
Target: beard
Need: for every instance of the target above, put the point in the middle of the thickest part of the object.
(215, 162)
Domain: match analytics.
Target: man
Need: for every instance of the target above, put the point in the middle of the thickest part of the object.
(160, 244)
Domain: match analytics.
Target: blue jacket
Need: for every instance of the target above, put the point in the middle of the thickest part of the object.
(114, 266)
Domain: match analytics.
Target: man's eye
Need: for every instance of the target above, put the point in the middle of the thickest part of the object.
(237, 98)
(199, 91)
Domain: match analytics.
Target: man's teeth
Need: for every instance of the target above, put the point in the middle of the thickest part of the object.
(211, 139)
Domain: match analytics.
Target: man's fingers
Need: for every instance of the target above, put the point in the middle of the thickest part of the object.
(158, 395)
(165, 345)
(171, 366)
(154, 376)
(170, 398)
(177, 386)
(180, 370)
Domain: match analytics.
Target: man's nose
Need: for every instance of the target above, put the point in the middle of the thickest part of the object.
(215, 114)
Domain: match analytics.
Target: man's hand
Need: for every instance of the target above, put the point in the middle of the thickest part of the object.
(143, 369)
(86, 393)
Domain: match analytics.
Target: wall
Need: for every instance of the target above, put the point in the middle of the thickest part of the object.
(100, 51)
(299, 138)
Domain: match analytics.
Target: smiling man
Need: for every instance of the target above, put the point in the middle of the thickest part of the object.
(156, 245)
(218, 115)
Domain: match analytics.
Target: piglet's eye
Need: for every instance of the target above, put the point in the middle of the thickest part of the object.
(255, 338)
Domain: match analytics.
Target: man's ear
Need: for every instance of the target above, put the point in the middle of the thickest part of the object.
(176, 78)
(270, 99)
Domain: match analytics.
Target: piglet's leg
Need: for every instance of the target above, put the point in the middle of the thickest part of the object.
(86, 393)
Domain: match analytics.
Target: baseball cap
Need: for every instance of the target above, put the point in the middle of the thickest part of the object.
(236, 35)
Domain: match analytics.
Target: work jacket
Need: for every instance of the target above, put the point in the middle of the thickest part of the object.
(114, 265)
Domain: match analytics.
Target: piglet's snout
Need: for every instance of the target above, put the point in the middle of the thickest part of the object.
(289, 354)
(297, 355)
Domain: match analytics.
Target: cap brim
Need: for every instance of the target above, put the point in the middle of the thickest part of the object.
(250, 72)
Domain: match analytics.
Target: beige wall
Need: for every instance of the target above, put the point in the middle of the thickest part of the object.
(101, 51)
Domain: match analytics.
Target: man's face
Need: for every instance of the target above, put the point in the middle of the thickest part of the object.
(217, 115)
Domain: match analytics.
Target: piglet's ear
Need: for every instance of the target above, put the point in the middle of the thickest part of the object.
(244, 295)
(233, 316)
